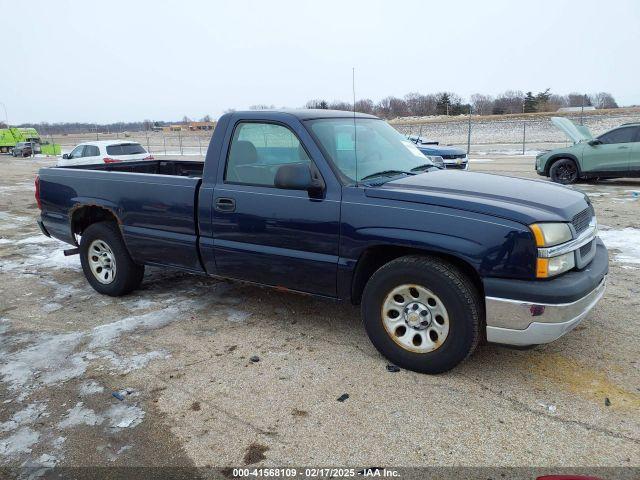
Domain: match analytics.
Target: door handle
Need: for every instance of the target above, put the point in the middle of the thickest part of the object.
(622, 148)
(224, 204)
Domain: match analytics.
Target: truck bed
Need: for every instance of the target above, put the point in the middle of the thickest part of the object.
(179, 168)
(155, 203)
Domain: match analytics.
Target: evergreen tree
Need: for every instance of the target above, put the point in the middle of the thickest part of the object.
(530, 103)
(443, 103)
(542, 99)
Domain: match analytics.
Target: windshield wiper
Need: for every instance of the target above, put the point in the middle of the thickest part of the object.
(423, 167)
(387, 173)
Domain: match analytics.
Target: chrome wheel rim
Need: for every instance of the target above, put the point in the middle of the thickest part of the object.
(102, 261)
(415, 318)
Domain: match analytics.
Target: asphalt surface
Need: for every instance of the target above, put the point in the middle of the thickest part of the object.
(178, 353)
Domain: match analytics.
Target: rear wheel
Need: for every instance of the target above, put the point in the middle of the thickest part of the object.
(564, 171)
(422, 313)
(106, 262)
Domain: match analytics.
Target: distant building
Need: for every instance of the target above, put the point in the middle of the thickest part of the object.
(173, 128)
(576, 109)
(202, 125)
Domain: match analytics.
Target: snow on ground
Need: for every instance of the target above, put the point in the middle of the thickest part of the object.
(626, 241)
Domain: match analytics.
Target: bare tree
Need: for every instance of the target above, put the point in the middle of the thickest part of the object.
(556, 101)
(510, 101)
(206, 118)
(339, 105)
(420, 105)
(317, 103)
(365, 105)
(603, 100)
(482, 104)
(578, 99)
(185, 120)
(146, 125)
(392, 107)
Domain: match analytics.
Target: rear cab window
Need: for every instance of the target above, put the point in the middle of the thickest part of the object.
(125, 149)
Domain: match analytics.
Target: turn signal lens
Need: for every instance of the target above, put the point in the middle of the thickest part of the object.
(550, 267)
(542, 267)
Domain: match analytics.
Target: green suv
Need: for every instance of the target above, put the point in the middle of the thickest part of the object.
(613, 154)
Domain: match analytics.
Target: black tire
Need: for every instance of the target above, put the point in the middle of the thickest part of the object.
(452, 288)
(564, 171)
(128, 275)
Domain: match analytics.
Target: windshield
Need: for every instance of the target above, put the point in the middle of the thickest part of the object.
(366, 147)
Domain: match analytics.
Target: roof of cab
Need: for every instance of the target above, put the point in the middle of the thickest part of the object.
(309, 113)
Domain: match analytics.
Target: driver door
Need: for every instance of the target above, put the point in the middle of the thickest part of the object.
(270, 235)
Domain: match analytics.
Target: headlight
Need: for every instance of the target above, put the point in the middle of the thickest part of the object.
(437, 160)
(550, 267)
(550, 234)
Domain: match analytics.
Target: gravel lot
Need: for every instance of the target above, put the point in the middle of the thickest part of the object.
(178, 354)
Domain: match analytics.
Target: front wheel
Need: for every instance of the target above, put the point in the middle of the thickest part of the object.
(422, 313)
(564, 171)
(106, 262)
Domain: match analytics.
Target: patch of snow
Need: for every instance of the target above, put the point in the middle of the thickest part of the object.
(79, 415)
(140, 304)
(103, 335)
(51, 307)
(124, 416)
(50, 359)
(626, 241)
(237, 316)
(20, 442)
(133, 362)
(26, 416)
(548, 407)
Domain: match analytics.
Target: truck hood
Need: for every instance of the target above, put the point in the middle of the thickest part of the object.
(576, 133)
(439, 150)
(517, 199)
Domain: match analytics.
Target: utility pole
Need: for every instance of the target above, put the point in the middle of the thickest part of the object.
(524, 131)
(469, 133)
(6, 117)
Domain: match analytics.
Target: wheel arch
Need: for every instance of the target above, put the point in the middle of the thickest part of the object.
(84, 215)
(374, 257)
(562, 156)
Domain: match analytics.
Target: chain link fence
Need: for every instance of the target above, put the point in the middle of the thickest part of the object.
(482, 135)
(526, 135)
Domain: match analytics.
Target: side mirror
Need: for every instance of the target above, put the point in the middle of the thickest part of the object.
(595, 142)
(298, 176)
(65, 156)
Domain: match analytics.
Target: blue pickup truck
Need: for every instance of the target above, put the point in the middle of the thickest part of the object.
(342, 206)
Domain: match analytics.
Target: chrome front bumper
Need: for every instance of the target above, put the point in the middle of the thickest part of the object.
(512, 322)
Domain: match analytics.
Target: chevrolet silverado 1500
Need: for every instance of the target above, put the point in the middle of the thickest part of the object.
(342, 206)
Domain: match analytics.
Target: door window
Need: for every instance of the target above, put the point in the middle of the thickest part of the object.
(619, 135)
(77, 152)
(258, 150)
(91, 151)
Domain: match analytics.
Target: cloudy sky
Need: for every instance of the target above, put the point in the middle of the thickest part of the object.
(111, 61)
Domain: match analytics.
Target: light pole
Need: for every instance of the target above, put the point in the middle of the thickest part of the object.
(6, 117)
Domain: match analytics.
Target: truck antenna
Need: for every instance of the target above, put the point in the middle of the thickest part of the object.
(355, 139)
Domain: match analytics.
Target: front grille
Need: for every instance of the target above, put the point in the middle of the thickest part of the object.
(585, 249)
(581, 220)
(453, 157)
(462, 166)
